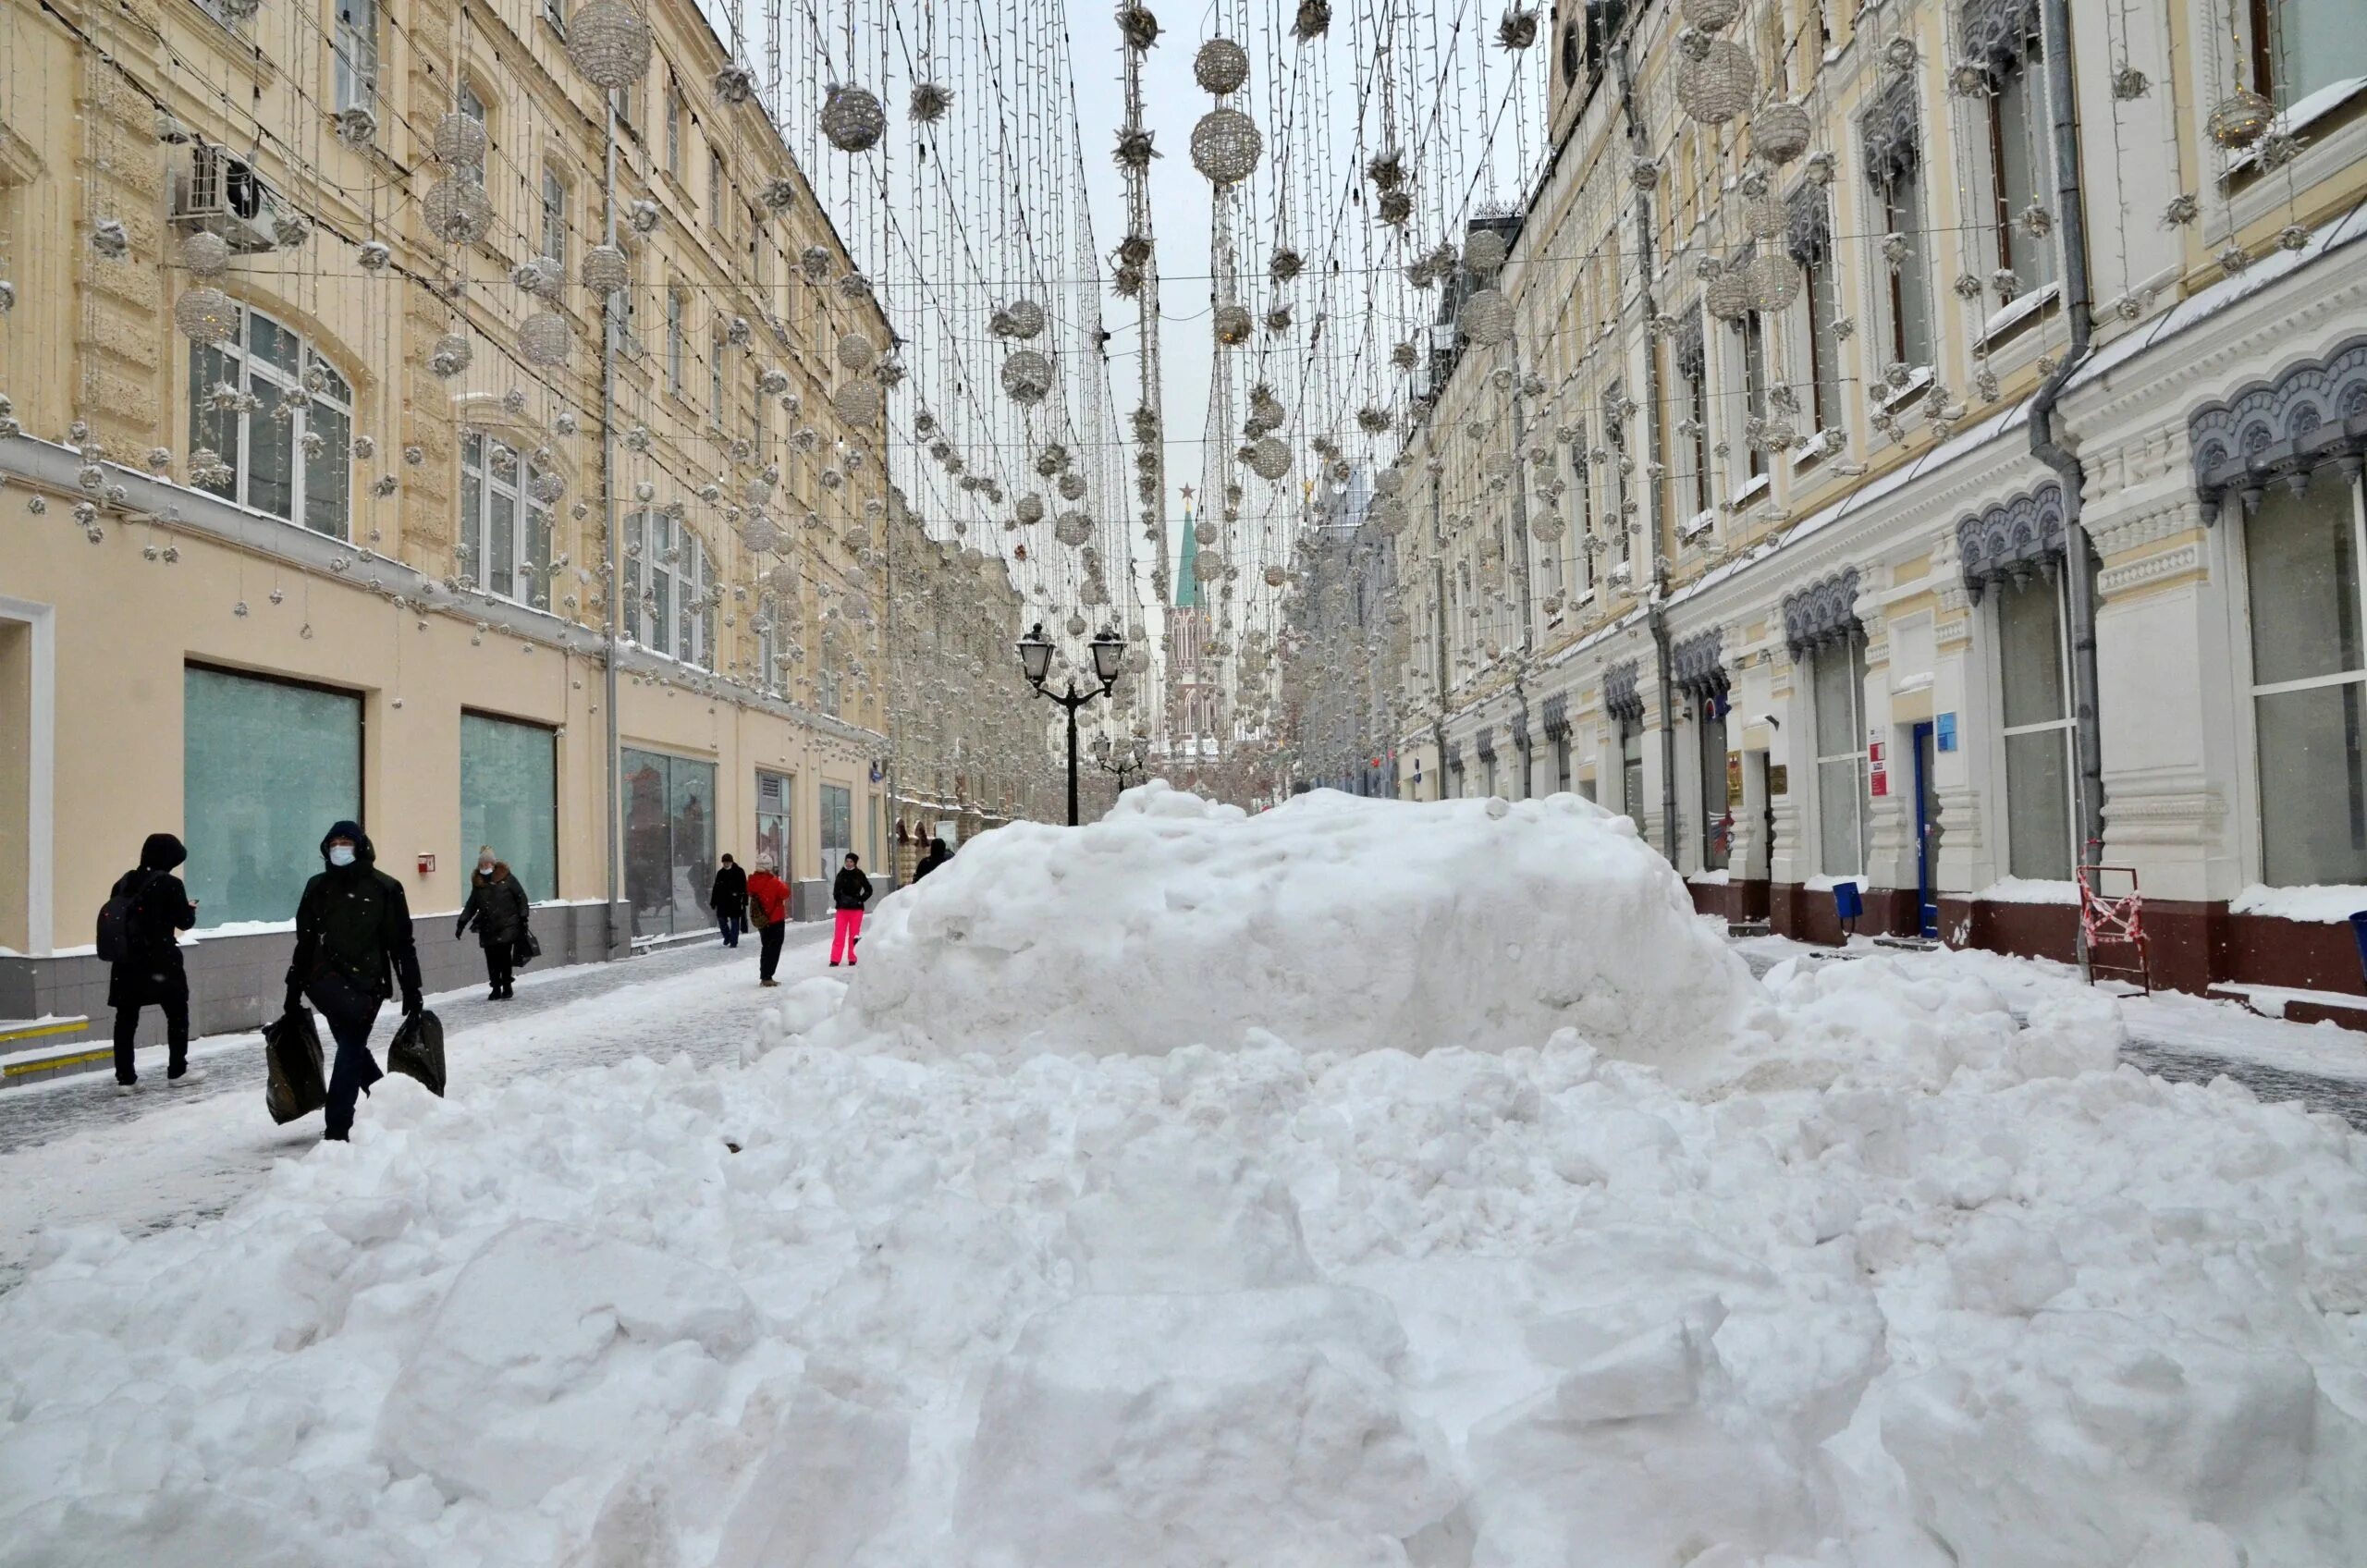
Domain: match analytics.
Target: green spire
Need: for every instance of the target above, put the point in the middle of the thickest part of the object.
(1187, 575)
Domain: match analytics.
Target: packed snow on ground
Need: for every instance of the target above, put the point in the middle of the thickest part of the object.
(1891, 1278)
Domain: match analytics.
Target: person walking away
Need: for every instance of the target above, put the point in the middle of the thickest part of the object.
(768, 912)
(730, 897)
(850, 893)
(938, 856)
(498, 907)
(353, 949)
(150, 974)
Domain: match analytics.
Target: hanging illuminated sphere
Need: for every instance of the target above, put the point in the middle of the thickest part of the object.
(1026, 376)
(1517, 29)
(2240, 119)
(1030, 509)
(610, 42)
(1225, 146)
(1726, 294)
(816, 263)
(855, 351)
(206, 315)
(1270, 458)
(1276, 577)
(205, 254)
(1022, 319)
(1487, 318)
(858, 403)
(1220, 67)
(449, 356)
(852, 119)
(1779, 131)
(1072, 487)
(460, 142)
(1717, 79)
(1232, 324)
(544, 339)
(1771, 282)
(606, 270)
(735, 83)
(1484, 252)
(457, 211)
(1073, 528)
(1763, 217)
(928, 103)
(1711, 16)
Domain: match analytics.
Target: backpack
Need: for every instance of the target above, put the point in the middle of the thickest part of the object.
(116, 918)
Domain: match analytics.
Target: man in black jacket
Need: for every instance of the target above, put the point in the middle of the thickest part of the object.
(849, 893)
(151, 972)
(498, 907)
(354, 948)
(730, 897)
(938, 856)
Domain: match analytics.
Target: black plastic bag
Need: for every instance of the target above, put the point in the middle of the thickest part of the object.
(525, 949)
(296, 1085)
(419, 1051)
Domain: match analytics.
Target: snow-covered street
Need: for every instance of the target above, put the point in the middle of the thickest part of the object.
(1357, 1185)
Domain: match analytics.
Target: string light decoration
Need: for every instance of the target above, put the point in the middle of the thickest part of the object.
(852, 119)
(1222, 67)
(1716, 79)
(609, 44)
(1225, 146)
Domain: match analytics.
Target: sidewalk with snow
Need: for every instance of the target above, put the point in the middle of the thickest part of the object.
(1189, 1190)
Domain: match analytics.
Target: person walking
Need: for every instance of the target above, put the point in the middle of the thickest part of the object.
(850, 893)
(353, 948)
(150, 974)
(768, 912)
(499, 908)
(730, 897)
(938, 856)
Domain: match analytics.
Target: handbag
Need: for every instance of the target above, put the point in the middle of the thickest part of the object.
(294, 1085)
(418, 1051)
(525, 949)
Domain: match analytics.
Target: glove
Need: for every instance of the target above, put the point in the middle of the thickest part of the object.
(460, 930)
(295, 998)
(413, 1004)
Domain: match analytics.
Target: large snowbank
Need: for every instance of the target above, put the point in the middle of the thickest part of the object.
(1908, 1282)
(1334, 921)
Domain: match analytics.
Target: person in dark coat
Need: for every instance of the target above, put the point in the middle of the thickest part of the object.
(498, 907)
(151, 974)
(730, 897)
(938, 856)
(353, 949)
(768, 907)
(848, 894)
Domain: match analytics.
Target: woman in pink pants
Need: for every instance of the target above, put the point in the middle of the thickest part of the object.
(850, 893)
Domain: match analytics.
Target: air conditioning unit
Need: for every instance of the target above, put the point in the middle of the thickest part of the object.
(222, 194)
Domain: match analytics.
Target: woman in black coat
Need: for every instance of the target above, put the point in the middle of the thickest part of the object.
(498, 907)
(151, 974)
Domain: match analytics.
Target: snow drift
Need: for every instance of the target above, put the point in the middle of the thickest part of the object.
(1334, 921)
(1910, 1282)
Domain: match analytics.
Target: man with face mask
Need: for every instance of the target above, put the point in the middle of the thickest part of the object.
(354, 948)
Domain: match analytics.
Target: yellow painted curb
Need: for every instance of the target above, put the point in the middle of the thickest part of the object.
(51, 1063)
(35, 1031)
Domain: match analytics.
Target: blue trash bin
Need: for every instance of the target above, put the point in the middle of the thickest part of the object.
(1848, 903)
(2359, 935)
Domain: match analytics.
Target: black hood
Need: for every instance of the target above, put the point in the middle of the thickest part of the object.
(162, 853)
(362, 853)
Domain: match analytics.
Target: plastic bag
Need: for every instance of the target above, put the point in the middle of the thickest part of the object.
(295, 1085)
(525, 950)
(419, 1051)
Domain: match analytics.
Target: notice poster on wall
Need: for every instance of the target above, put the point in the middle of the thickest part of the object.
(1877, 769)
(1734, 777)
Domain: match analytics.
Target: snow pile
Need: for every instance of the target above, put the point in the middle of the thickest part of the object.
(1907, 1282)
(1334, 921)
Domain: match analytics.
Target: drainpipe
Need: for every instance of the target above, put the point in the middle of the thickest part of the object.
(609, 346)
(1438, 612)
(1638, 144)
(2046, 446)
(1528, 581)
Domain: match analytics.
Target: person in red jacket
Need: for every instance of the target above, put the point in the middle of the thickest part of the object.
(768, 912)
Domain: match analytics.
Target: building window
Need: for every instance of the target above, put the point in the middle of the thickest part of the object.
(265, 765)
(1631, 768)
(555, 13)
(356, 51)
(773, 799)
(510, 799)
(677, 306)
(715, 382)
(1693, 425)
(1615, 508)
(2296, 47)
(693, 602)
(1717, 826)
(1569, 53)
(273, 468)
(1892, 135)
(1810, 242)
(1562, 762)
(2011, 51)
(469, 102)
(669, 842)
(2032, 679)
(2301, 556)
(668, 588)
(1582, 529)
(505, 538)
(1837, 689)
(838, 827)
(673, 127)
(1754, 394)
(555, 222)
(716, 186)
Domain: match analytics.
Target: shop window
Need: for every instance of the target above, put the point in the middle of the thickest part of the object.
(1631, 768)
(838, 827)
(2032, 677)
(2301, 556)
(273, 468)
(510, 799)
(1837, 691)
(266, 766)
(669, 842)
(774, 799)
(505, 533)
(1562, 762)
(1717, 828)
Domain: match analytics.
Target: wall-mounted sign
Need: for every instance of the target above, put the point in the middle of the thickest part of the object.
(1779, 779)
(1734, 777)
(1944, 732)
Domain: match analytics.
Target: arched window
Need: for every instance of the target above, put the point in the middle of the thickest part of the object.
(1569, 53)
(280, 417)
(505, 533)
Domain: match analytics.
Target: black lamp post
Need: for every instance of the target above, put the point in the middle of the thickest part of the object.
(1035, 658)
(1121, 757)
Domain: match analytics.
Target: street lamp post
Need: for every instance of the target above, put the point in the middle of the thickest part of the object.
(1122, 757)
(1035, 658)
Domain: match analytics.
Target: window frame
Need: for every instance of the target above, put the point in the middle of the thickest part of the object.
(241, 358)
(678, 306)
(1851, 646)
(1711, 711)
(2057, 592)
(354, 57)
(674, 108)
(359, 700)
(481, 477)
(557, 203)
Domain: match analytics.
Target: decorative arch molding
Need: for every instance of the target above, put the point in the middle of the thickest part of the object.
(1622, 697)
(486, 412)
(2310, 414)
(1698, 664)
(1557, 717)
(1484, 743)
(2012, 538)
(1824, 611)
